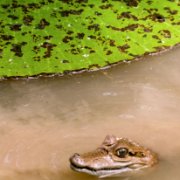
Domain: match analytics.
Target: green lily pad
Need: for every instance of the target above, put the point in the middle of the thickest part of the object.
(60, 36)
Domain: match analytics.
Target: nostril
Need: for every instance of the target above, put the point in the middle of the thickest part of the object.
(74, 158)
(76, 155)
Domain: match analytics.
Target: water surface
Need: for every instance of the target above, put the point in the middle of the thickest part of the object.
(44, 121)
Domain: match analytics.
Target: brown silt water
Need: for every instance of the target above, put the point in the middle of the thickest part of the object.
(44, 121)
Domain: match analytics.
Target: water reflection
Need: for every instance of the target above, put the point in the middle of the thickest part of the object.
(44, 121)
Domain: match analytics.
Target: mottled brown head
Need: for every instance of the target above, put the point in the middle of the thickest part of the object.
(115, 156)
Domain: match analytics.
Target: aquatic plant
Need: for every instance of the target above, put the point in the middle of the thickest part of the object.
(64, 36)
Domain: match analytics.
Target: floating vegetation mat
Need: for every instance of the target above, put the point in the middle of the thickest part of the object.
(62, 36)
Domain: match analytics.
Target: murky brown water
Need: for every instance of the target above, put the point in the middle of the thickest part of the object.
(44, 121)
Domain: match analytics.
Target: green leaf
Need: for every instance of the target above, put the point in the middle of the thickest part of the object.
(60, 36)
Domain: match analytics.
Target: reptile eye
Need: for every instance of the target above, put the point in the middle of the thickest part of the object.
(122, 152)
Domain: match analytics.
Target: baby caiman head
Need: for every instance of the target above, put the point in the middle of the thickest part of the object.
(115, 156)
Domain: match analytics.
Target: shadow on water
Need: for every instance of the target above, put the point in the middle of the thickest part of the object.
(44, 121)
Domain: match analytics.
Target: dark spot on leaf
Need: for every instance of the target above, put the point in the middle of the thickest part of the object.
(112, 42)
(16, 48)
(165, 33)
(172, 12)
(65, 61)
(66, 39)
(97, 13)
(109, 52)
(127, 15)
(150, 2)
(106, 6)
(157, 17)
(147, 29)
(104, 1)
(1, 51)
(48, 37)
(71, 11)
(94, 27)
(130, 27)
(59, 26)
(13, 17)
(134, 55)
(80, 35)
(92, 37)
(92, 51)
(91, 5)
(5, 6)
(15, 4)
(87, 47)
(42, 24)
(157, 38)
(37, 58)
(7, 43)
(70, 32)
(176, 23)
(24, 33)
(29, 7)
(15, 27)
(27, 20)
(123, 48)
(81, 1)
(36, 49)
(36, 38)
(132, 2)
(75, 51)
(7, 37)
(151, 10)
(49, 47)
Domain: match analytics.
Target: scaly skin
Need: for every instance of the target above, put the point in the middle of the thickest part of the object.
(115, 156)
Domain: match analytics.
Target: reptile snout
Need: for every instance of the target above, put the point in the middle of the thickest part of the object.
(76, 160)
